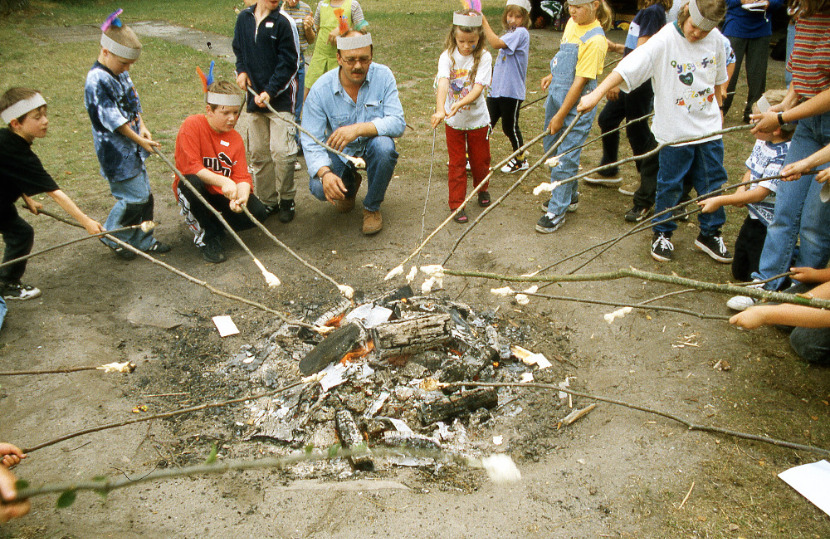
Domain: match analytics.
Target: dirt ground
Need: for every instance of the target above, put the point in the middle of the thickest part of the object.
(615, 473)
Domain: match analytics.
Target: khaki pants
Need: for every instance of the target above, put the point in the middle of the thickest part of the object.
(272, 150)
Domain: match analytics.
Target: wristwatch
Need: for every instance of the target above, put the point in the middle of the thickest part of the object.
(781, 118)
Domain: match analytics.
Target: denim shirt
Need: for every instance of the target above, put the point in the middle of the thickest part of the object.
(328, 107)
(112, 101)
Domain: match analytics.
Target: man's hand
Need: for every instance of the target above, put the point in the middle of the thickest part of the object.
(10, 509)
(342, 136)
(243, 81)
(333, 187)
(262, 100)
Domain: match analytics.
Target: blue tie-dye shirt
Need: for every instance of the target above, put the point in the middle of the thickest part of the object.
(112, 101)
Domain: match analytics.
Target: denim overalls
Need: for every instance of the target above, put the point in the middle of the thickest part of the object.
(563, 69)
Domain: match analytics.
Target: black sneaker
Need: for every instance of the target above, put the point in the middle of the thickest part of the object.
(714, 247)
(19, 291)
(637, 214)
(515, 165)
(572, 207)
(159, 248)
(212, 251)
(661, 247)
(546, 225)
(286, 211)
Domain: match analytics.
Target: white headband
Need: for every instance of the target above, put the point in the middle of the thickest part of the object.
(227, 100)
(118, 49)
(579, 2)
(354, 42)
(699, 20)
(471, 21)
(22, 107)
(525, 4)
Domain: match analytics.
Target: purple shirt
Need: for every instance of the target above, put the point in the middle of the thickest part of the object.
(510, 68)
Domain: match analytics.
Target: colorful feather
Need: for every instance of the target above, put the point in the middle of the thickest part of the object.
(112, 20)
(206, 80)
(475, 5)
(343, 21)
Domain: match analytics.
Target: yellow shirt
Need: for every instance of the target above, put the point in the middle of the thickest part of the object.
(591, 59)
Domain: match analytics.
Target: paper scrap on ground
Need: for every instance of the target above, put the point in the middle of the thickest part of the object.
(811, 481)
(225, 325)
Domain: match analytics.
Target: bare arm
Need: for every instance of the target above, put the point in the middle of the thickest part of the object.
(146, 143)
(466, 100)
(440, 99)
(92, 226)
(492, 39)
(767, 122)
(787, 313)
(568, 103)
(590, 101)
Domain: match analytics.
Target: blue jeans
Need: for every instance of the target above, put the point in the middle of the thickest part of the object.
(561, 197)
(704, 164)
(812, 344)
(2, 310)
(298, 109)
(799, 212)
(135, 190)
(380, 157)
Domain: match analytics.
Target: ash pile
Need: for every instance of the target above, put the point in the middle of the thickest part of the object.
(379, 380)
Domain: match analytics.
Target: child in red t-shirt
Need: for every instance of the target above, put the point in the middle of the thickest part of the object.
(211, 155)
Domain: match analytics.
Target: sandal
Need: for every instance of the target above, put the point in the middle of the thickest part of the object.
(483, 199)
(460, 217)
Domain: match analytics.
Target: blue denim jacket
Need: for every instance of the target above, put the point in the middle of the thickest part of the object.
(328, 107)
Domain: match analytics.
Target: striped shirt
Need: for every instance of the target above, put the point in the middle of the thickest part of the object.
(810, 59)
(298, 13)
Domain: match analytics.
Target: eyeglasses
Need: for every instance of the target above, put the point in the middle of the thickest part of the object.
(363, 60)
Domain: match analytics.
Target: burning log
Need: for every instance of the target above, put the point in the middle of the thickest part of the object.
(458, 404)
(331, 349)
(411, 335)
(351, 438)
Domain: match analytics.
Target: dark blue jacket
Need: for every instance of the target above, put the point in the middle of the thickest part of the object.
(271, 59)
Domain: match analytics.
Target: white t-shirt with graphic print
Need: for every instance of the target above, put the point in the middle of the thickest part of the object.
(474, 115)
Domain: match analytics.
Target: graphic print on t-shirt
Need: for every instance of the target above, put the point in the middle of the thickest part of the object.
(693, 99)
(221, 164)
(458, 81)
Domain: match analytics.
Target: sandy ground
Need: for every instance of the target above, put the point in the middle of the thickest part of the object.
(615, 473)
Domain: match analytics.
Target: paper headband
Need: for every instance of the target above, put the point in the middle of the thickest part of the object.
(228, 100)
(579, 2)
(113, 46)
(471, 21)
(22, 107)
(699, 20)
(524, 4)
(354, 42)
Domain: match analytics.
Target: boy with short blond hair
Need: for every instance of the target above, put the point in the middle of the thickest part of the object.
(122, 140)
(23, 175)
(211, 156)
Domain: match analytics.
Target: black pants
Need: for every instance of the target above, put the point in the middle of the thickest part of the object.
(507, 109)
(755, 51)
(19, 237)
(207, 220)
(748, 247)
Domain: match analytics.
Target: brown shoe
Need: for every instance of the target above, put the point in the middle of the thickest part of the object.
(372, 222)
(347, 204)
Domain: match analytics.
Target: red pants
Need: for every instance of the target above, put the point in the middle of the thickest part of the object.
(476, 143)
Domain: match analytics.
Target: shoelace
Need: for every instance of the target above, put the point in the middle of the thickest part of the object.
(721, 246)
(663, 242)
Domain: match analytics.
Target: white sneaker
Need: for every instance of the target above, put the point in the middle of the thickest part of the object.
(740, 303)
(297, 165)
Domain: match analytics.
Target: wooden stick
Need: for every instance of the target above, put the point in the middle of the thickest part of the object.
(576, 415)
(194, 280)
(649, 276)
(164, 415)
(148, 225)
(356, 161)
(632, 305)
(510, 189)
(398, 270)
(689, 425)
(62, 370)
(346, 290)
(691, 488)
(270, 279)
